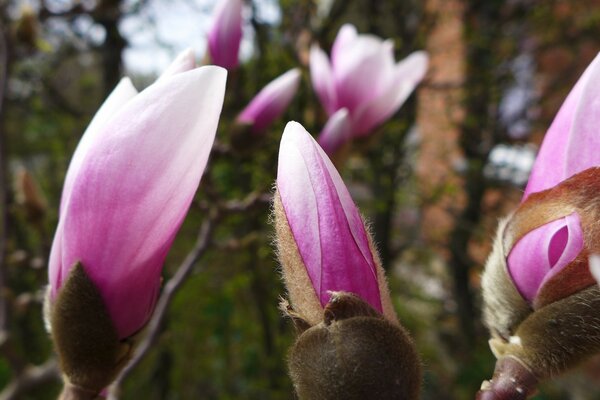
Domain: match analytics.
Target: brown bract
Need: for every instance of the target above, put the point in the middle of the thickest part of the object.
(355, 353)
(89, 350)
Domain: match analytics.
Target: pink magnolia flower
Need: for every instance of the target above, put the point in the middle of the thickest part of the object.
(225, 34)
(363, 77)
(271, 102)
(570, 146)
(326, 226)
(130, 184)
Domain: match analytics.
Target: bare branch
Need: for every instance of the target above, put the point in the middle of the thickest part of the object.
(32, 377)
(252, 200)
(3, 194)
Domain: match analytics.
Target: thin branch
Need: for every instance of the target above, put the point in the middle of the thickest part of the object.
(154, 326)
(32, 377)
(252, 200)
(3, 194)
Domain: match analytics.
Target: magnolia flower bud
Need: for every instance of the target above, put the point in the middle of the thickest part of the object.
(271, 102)
(541, 303)
(226, 34)
(340, 83)
(339, 297)
(126, 193)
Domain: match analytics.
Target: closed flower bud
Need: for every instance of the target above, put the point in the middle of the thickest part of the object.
(225, 34)
(271, 102)
(337, 288)
(541, 303)
(126, 193)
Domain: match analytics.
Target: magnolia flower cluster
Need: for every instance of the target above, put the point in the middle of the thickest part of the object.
(337, 288)
(361, 86)
(127, 190)
(541, 300)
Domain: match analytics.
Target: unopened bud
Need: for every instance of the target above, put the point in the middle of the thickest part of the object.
(355, 353)
(86, 341)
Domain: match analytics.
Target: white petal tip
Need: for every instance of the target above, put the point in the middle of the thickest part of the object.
(594, 262)
(125, 83)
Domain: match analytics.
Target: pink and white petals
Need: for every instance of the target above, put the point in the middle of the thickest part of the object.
(364, 78)
(225, 34)
(322, 79)
(571, 144)
(185, 61)
(407, 75)
(326, 226)
(132, 189)
(121, 95)
(271, 102)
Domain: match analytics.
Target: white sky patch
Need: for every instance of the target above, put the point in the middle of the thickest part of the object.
(163, 28)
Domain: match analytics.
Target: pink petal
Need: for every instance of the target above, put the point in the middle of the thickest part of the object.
(543, 253)
(271, 102)
(322, 79)
(408, 73)
(344, 40)
(226, 34)
(336, 132)
(133, 190)
(571, 144)
(120, 96)
(185, 61)
(324, 221)
(363, 71)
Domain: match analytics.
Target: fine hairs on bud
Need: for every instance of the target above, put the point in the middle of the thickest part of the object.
(300, 290)
(561, 327)
(354, 354)
(89, 350)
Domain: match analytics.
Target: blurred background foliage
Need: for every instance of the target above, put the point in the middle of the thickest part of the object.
(432, 181)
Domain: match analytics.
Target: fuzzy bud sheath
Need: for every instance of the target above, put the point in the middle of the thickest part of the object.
(79, 312)
(350, 344)
(541, 302)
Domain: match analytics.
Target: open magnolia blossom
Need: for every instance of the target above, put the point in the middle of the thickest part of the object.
(271, 102)
(336, 285)
(126, 193)
(540, 299)
(225, 34)
(363, 77)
